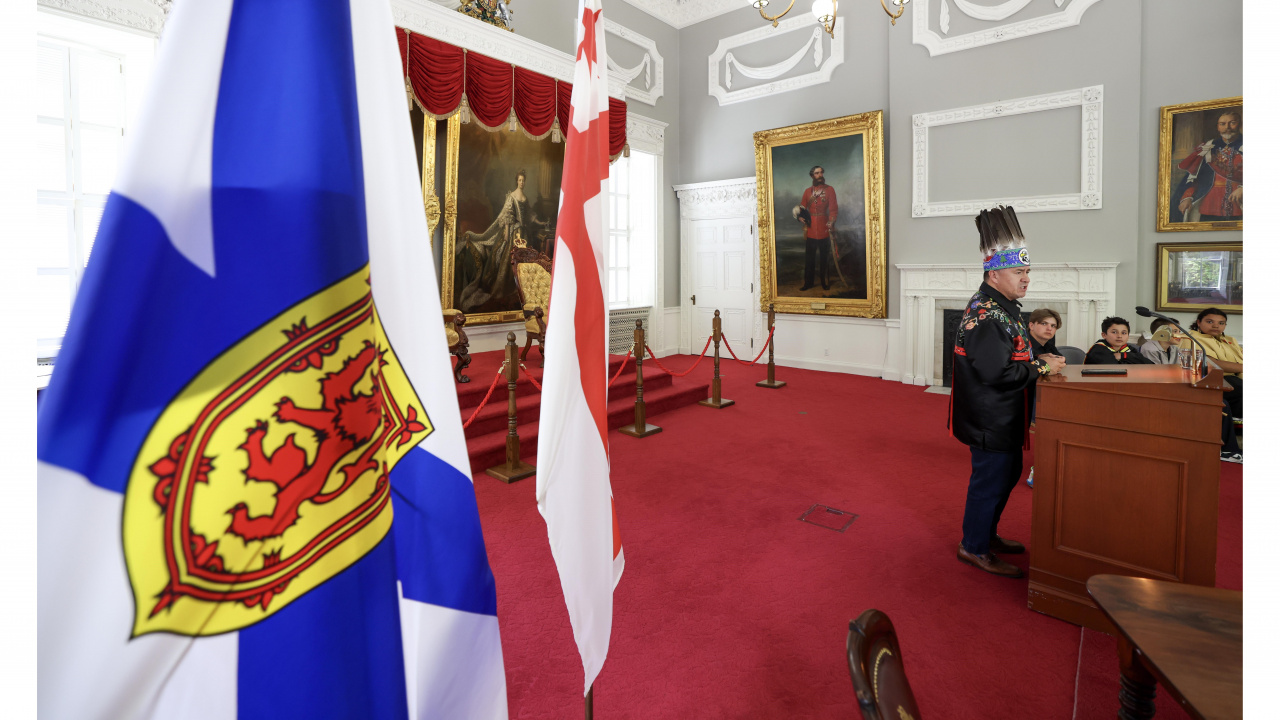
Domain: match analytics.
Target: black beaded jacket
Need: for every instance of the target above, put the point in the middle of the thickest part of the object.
(994, 374)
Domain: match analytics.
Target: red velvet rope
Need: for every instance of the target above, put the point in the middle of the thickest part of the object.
(496, 378)
(686, 372)
(438, 71)
(621, 367)
(529, 375)
(753, 362)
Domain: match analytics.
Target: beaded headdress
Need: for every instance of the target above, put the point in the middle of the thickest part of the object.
(1000, 239)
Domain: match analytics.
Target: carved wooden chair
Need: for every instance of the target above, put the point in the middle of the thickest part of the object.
(532, 271)
(875, 664)
(457, 339)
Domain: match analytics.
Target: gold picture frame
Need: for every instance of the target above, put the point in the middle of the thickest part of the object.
(782, 155)
(1185, 130)
(459, 211)
(1193, 276)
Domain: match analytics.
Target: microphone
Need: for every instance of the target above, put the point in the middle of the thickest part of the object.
(1148, 312)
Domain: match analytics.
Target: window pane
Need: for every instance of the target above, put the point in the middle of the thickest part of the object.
(52, 305)
(51, 70)
(51, 157)
(98, 148)
(53, 236)
(621, 287)
(98, 88)
(90, 217)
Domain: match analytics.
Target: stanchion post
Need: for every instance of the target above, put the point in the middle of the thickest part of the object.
(639, 428)
(769, 382)
(514, 468)
(715, 400)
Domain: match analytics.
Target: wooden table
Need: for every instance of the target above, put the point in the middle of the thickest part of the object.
(1187, 637)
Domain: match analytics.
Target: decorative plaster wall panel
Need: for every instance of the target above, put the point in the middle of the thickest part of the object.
(922, 34)
(1088, 99)
(721, 64)
(649, 89)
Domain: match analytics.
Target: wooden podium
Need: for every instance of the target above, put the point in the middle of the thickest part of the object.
(1127, 474)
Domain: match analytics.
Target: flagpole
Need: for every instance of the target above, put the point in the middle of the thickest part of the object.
(590, 703)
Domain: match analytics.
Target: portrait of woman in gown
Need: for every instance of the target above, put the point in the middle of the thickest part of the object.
(485, 256)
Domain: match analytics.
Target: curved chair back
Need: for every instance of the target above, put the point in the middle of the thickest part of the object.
(532, 271)
(875, 664)
(1074, 355)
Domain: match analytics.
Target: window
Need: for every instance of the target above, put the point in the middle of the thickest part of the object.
(86, 76)
(632, 219)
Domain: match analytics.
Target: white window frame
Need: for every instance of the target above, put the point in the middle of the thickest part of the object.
(75, 37)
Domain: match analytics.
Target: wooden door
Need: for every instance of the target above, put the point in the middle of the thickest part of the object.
(722, 276)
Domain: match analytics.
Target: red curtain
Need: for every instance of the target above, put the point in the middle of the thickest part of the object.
(439, 72)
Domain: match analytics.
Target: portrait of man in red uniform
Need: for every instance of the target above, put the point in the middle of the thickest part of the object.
(821, 210)
(1210, 178)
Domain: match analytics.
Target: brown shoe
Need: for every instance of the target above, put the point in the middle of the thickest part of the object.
(988, 562)
(1006, 547)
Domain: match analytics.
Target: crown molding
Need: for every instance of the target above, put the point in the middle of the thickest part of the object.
(1088, 99)
(922, 34)
(681, 14)
(143, 16)
(646, 134)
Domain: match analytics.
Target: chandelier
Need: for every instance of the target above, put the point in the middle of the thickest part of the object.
(825, 12)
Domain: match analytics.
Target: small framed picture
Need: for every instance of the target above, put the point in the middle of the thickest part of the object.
(1201, 180)
(1193, 276)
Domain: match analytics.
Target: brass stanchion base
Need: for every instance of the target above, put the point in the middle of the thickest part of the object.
(646, 431)
(774, 384)
(510, 473)
(712, 403)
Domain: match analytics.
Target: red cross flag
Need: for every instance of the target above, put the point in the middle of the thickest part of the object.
(574, 495)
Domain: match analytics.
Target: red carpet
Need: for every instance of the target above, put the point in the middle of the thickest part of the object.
(732, 608)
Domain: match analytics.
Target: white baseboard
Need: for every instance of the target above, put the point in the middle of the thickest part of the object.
(829, 366)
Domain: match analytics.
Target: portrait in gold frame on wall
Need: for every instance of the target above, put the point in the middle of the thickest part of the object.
(1201, 173)
(500, 187)
(820, 202)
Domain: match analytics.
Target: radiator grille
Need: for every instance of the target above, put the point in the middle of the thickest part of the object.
(622, 325)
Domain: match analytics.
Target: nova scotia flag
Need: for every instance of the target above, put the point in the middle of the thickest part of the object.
(253, 487)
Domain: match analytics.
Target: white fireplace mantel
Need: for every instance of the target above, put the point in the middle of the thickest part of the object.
(1083, 293)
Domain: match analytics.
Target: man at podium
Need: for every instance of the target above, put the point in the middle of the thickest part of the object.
(993, 377)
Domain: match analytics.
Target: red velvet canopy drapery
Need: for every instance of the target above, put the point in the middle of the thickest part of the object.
(444, 77)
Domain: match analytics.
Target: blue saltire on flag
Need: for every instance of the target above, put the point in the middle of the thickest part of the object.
(253, 488)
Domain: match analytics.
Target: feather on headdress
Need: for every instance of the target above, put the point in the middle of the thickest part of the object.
(1000, 239)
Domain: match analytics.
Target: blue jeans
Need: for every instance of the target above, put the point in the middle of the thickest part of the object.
(995, 474)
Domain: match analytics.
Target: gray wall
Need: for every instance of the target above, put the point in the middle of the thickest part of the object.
(1174, 32)
(551, 22)
(1141, 51)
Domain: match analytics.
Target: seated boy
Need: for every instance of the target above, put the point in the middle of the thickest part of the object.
(1114, 348)
(1162, 348)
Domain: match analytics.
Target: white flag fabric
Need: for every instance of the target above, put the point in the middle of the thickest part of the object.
(253, 486)
(574, 494)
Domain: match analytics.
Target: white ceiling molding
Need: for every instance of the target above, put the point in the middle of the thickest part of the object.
(144, 16)
(646, 134)
(683, 13)
(651, 65)
(429, 18)
(921, 34)
(1088, 99)
(720, 81)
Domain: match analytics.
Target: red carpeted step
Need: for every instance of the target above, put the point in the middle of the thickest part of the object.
(489, 448)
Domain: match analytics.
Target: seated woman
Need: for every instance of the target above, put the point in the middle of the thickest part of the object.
(1114, 348)
(1043, 325)
(1162, 348)
(1224, 352)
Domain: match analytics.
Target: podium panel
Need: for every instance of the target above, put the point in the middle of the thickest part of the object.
(1126, 484)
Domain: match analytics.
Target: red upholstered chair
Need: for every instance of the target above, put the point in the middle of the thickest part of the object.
(875, 664)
